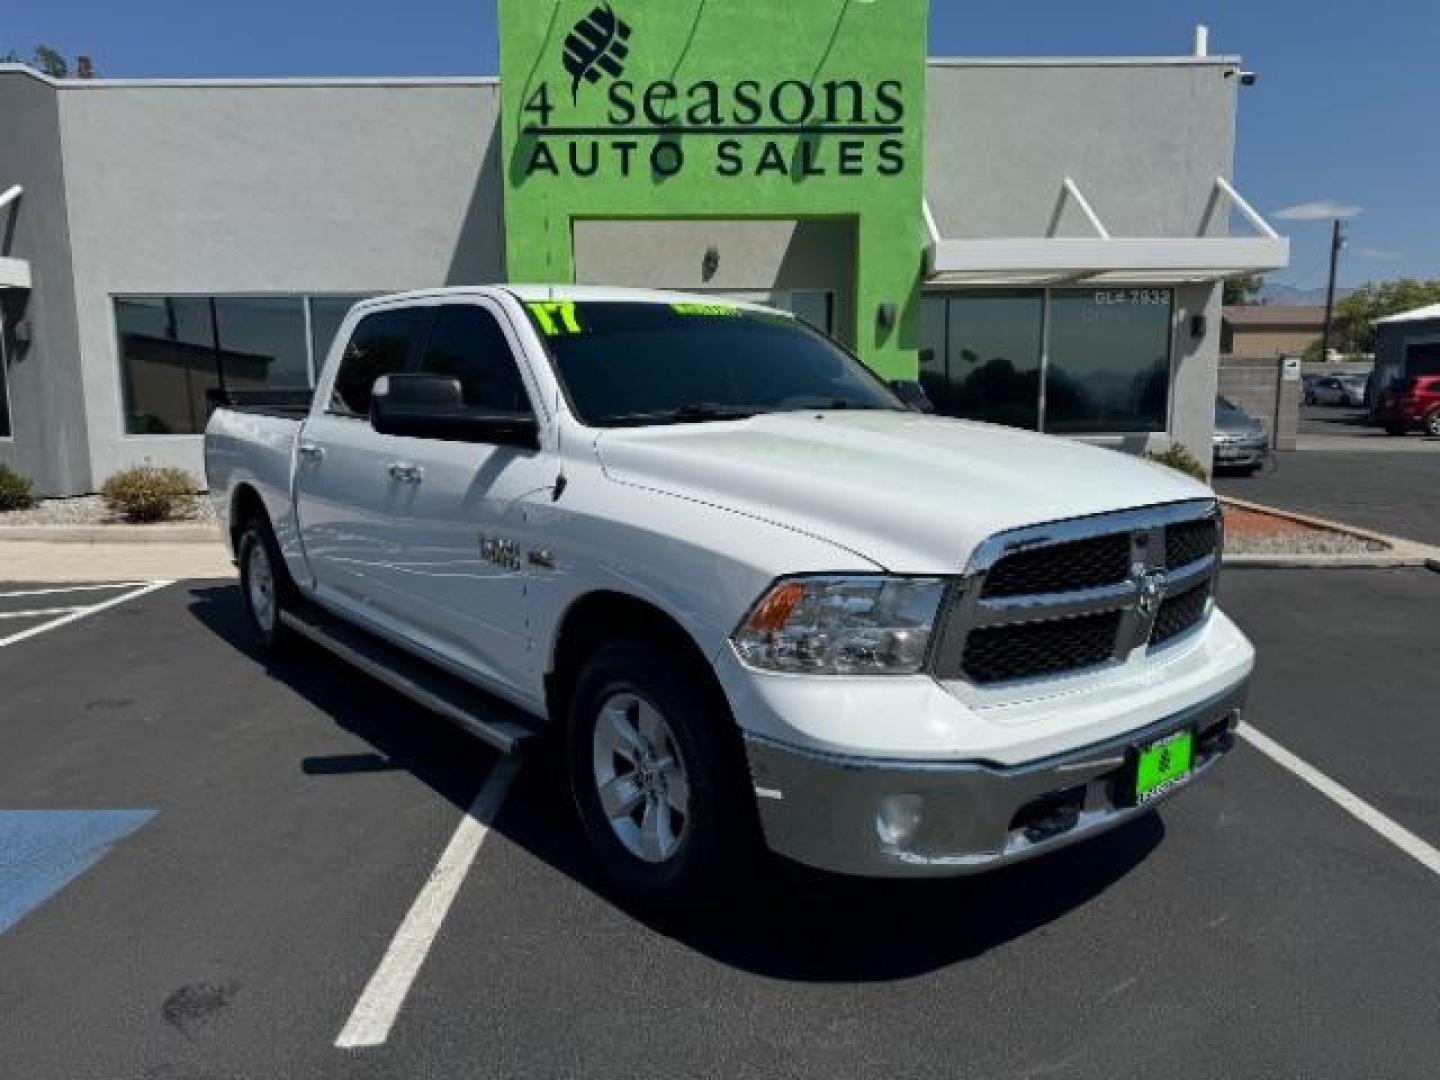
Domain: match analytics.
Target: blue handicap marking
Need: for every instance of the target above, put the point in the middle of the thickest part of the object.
(42, 851)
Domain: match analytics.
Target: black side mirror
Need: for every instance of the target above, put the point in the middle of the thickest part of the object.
(433, 407)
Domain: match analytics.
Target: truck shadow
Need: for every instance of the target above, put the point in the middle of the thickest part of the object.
(802, 926)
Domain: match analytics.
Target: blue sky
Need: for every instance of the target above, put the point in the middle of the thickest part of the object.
(1345, 111)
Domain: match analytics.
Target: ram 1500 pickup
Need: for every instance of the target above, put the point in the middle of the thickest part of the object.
(757, 600)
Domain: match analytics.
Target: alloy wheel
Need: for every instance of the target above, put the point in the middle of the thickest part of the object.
(640, 777)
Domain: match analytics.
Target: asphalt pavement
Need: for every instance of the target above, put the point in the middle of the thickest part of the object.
(219, 852)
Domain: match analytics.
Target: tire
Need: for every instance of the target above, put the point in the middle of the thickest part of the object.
(1432, 423)
(1394, 429)
(265, 586)
(681, 828)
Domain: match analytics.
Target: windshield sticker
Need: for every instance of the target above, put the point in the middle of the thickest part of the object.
(722, 311)
(556, 317)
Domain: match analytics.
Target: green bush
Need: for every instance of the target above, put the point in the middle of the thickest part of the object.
(1177, 457)
(146, 493)
(16, 492)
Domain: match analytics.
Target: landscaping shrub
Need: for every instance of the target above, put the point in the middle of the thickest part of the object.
(16, 492)
(146, 493)
(1177, 457)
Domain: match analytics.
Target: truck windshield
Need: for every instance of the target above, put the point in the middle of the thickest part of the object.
(635, 364)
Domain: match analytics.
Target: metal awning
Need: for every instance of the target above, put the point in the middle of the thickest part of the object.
(1102, 258)
(14, 273)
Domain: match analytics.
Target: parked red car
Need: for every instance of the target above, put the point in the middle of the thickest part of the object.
(1411, 402)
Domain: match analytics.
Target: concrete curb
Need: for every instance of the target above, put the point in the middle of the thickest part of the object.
(165, 533)
(1400, 552)
(1380, 560)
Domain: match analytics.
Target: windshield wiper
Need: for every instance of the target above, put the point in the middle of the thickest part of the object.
(684, 414)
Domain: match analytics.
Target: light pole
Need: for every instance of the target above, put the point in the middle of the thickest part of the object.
(1337, 241)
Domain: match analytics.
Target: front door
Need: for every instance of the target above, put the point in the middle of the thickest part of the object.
(458, 525)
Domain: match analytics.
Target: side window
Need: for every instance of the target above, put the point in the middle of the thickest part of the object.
(380, 345)
(466, 341)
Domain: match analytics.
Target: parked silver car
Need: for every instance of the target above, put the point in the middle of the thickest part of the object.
(1240, 440)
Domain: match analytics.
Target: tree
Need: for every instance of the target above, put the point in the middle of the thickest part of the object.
(45, 58)
(1353, 330)
(1243, 289)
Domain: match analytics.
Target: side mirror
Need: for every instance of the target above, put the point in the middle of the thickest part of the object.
(433, 407)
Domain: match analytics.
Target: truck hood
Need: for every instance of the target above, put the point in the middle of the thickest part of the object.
(912, 493)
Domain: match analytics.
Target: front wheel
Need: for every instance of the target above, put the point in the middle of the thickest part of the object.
(659, 778)
(1432, 423)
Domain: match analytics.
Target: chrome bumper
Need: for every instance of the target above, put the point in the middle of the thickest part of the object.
(881, 818)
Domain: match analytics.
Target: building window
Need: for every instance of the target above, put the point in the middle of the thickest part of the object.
(262, 342)
(167, 362)
(982, 356)
(1109, 360)
(174, 349)
(1102, 354)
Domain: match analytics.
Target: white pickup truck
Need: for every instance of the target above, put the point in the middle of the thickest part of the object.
(758, 601)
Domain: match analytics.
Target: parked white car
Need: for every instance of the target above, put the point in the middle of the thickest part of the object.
(758, 600)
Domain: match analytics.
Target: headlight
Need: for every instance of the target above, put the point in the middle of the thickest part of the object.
(841, 625)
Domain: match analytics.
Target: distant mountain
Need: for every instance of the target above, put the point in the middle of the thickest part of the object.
(1290, 296)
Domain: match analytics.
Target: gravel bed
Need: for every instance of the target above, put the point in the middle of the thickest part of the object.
(90, 510)
(1248, 532)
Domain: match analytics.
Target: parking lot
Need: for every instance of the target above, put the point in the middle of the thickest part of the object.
(211, 869)
(1347, 471)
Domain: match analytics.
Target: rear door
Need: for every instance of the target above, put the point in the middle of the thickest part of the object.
(458, 529)
(344, 494)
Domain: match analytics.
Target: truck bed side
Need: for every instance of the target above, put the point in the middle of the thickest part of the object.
(251, 453)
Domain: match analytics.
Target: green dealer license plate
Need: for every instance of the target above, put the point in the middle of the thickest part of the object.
(1163, 764)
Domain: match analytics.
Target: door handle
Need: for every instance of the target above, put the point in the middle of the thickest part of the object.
(405, 474)
(310, 451)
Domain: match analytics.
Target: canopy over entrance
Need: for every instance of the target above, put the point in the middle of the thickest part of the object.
(1103, 258)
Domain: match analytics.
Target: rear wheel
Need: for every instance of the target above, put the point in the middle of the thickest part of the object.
(659, 778)
(1394, 429)
(265, 585)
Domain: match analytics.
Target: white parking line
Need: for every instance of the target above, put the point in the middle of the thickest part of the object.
(380, 1004)
(1346, 799)
(75, 614)
(37, 613)
(51, 591)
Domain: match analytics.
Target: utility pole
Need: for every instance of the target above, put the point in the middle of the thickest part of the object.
(1337, 241)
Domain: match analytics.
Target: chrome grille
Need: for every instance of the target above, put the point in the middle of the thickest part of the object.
(1190, 540)
(1073, 595)
(1180, 613)
(1027, 650)
(1079, 564)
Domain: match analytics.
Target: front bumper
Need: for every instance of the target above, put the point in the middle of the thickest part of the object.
(879, 818)
(1240, 454)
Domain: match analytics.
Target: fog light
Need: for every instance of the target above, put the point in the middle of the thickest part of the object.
(897, 819)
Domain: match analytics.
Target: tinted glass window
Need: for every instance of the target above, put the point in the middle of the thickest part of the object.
(262, 342)
(467, 342)
(167, 363)
(1109, 367)
(326, 315)
(986, 356)
(636, 363)
(381, 345)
